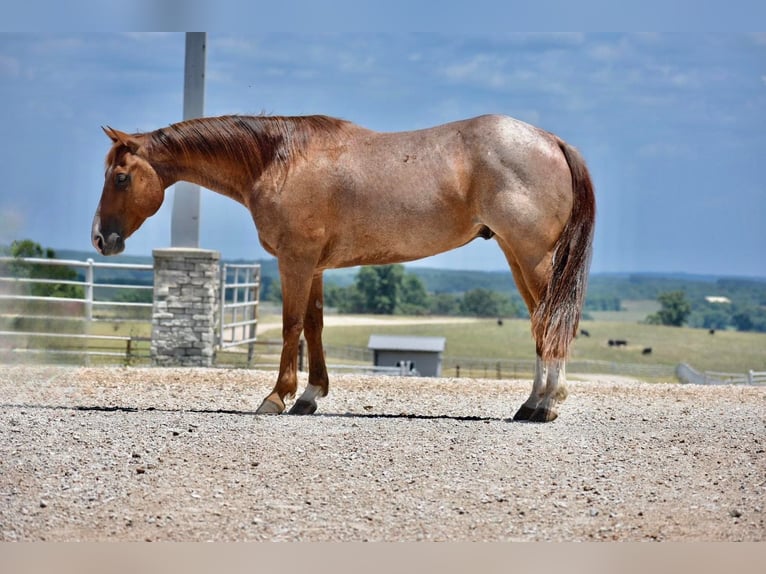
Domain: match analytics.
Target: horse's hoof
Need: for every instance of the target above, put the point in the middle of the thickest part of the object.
(302, 407)
(270, 407)
(524, 413)
(543, 416)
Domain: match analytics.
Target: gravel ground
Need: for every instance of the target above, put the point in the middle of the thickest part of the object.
(94, 454)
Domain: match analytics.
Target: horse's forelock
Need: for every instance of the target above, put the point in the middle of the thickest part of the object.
(113, 156)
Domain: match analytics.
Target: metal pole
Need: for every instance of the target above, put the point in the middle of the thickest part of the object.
(89, 291)
(222, 308)
(184, 225)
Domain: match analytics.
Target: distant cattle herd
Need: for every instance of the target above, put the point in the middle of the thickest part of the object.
(618, 343)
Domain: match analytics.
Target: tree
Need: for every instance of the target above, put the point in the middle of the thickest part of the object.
(26, 248)
(379, 288)
(444, 304)
(413, 298)
(674, 310)
(742, 321)
(750, 319)
(271, 290)
(484, 303)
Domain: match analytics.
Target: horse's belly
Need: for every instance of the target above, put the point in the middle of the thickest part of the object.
(388, 242)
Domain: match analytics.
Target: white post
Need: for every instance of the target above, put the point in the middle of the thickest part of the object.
(89, 290)
(184, 225)
(750, 377)
(221, 304)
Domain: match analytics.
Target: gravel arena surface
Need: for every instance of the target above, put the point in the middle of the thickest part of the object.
(134, 454)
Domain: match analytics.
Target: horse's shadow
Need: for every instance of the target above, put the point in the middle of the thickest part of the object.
(240, 412)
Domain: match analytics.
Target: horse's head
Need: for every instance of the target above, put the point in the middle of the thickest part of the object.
(132, 192)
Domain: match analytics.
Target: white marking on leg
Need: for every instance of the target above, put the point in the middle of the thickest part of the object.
(538, 384)
(555, 389)
(311, 393)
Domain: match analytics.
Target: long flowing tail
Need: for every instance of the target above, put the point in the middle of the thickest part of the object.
(556, 319)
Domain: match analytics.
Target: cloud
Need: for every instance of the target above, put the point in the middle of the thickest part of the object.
(610, 51)
(9, 67)
(485, 69)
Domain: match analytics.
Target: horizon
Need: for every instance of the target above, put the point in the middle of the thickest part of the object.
(672, 127)
(410, 265)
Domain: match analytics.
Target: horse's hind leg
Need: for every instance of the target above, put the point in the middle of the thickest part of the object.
(549, 384)
(312, 328)
(548, 390)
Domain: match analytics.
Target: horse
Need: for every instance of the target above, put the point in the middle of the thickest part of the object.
(327, 193)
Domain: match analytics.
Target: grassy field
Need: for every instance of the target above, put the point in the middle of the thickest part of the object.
(483, 340)
(727, 351)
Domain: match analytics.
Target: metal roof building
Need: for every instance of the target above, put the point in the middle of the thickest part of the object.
(424, 353)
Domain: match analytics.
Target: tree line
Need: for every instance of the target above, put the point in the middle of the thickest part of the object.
(392, 290)
(677, 310)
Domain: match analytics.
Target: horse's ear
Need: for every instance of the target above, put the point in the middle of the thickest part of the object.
(121, 137)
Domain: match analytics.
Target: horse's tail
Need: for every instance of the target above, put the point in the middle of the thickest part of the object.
(557, 316)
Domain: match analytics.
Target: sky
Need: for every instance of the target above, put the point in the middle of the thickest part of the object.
(672, 126)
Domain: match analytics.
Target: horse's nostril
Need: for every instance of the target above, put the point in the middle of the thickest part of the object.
(98, 242)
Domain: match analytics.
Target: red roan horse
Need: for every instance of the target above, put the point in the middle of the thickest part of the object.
(325, 193)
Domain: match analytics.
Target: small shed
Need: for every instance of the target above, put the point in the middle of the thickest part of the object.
(424, 353)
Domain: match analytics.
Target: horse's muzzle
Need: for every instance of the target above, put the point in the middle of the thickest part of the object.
(112, 245)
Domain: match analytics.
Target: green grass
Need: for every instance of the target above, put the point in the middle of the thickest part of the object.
(725, 351)
(728, 351)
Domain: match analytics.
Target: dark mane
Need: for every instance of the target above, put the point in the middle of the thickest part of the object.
(253, 141)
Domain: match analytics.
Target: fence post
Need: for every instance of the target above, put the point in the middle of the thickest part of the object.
(751, 377)
(222, 304)
(185, 306)
(254, 277)
(89, 290)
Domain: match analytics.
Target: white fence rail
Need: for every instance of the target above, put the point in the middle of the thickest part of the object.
(238, 316)
(68, 325)
(687, 374)
(69, 319)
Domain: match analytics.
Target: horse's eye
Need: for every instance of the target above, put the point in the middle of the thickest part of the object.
(121, 179)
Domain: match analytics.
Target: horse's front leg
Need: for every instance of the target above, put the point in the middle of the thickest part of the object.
(312, 328)
(548, 390)
(296, 286)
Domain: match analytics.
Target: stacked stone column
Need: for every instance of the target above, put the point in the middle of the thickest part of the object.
(185, 313)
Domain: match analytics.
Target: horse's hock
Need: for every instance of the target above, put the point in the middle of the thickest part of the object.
(185, 310)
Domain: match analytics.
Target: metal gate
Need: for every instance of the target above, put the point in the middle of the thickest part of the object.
(238, 318)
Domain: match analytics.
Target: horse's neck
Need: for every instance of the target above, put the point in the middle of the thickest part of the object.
(217, 173)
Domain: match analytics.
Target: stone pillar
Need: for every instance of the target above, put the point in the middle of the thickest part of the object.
(185, 313)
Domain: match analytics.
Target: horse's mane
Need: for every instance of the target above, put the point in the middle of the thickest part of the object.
(253, 141)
